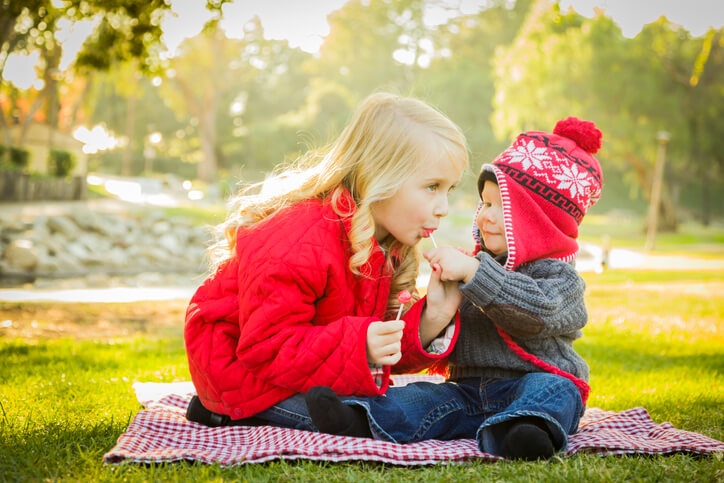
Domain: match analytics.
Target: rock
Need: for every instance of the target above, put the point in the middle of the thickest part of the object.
(171, 243)
(117, 257)
(161, 228)
(112, 226)
(21, 254)
(86, 241)
(78, 251)
(62, 224)
(87, 219)
(12, 225)
(55, 243)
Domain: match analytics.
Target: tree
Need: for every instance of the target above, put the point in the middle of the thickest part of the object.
(564, 64)
(229, 87)
(460, 78)
(359, 52)
(128, 104)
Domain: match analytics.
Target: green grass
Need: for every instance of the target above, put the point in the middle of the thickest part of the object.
(652, 276)
(655, 339)
(198, 215)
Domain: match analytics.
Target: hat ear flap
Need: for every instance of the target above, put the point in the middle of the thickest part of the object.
(477, 238)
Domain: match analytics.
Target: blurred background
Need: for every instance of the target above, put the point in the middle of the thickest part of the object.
(124, 125)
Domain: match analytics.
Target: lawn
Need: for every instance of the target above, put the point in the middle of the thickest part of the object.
(655, 339)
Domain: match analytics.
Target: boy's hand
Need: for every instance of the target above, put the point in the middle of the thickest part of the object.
(384, 342)
(454, 264)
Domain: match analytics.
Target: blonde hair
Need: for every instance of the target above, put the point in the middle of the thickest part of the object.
(376, 152)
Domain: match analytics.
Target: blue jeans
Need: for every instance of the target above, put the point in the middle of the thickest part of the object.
(480, 408)
(289, 413)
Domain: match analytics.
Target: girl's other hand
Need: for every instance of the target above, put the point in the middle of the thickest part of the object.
(384, 342)
(443, 300)
(455, 265)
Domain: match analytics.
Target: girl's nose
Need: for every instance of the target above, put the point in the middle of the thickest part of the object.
(441, 206)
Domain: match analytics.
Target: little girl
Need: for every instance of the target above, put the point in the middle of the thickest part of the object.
(310, 269)
(516, 382)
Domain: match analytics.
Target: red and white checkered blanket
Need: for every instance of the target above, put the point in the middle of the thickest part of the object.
(161, 433)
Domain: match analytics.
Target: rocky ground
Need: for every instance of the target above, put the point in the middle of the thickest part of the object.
(82, 247)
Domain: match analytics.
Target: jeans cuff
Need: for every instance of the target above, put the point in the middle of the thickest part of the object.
(376, 430)
(490, 442)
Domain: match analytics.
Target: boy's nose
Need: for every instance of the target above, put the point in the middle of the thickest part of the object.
(486, 216)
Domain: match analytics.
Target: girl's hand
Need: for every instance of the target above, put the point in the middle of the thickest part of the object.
(384, 344)
(443, 300)
(455, 265)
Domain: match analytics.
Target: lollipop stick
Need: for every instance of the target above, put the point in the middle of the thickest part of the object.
(433, 240)
(399, 312)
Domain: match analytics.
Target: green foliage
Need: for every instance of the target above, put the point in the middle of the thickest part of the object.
(18, 157)
(60, 162)
(461, 84)
(663, 79)
(228, 107)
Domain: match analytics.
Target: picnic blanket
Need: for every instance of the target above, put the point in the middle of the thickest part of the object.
(161, 433)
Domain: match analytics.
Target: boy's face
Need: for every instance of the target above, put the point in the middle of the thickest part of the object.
(490, 219)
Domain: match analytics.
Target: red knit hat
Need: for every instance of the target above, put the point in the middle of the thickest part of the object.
(547, 183)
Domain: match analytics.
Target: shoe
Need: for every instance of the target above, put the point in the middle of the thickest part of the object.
(330, 415)
(527, 440)
(197, 413)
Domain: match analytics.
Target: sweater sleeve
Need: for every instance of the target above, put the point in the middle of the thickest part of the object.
(280, 344)
(543, 299)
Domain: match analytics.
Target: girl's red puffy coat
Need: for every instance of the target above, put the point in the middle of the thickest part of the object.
(286, 314)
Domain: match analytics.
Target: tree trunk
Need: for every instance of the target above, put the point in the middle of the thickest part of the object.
(52, 106)
(7, 140)
(705, 197)
(207, 133)
(668, 217)
(130, 127)
(207, 166)
(79, 102)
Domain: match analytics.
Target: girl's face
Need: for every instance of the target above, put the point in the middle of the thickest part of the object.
(490, 219)
(417, 206)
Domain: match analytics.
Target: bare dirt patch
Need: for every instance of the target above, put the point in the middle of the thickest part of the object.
(90, 320)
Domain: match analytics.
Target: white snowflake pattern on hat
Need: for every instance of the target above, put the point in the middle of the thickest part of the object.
(528, 154)
(573, 180)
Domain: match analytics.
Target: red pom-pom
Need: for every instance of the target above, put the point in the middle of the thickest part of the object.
(584, 133)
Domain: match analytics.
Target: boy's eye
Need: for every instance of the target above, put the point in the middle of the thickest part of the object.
(486, 204)
(432, 187)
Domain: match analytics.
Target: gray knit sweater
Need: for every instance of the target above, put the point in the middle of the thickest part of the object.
(540, 305)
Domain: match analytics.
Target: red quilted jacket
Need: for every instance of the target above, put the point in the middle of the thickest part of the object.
(286, 314)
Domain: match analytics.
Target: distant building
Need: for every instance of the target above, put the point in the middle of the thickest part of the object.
(37, 142)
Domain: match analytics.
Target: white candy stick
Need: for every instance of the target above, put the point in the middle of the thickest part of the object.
(433, 240)
(399, 312)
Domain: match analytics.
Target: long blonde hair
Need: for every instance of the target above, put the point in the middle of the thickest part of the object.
(376, 152)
